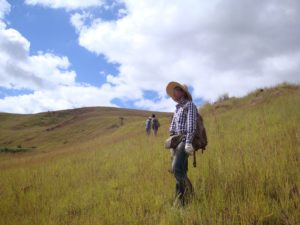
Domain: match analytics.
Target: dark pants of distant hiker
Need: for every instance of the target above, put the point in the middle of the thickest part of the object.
(155, 131)
(180, 168)
(148, 130)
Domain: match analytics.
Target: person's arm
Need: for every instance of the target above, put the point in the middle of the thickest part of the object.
(191, 122)
(172, 126)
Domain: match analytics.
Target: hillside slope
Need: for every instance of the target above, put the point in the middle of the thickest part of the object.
(106, 174)
(51, 130)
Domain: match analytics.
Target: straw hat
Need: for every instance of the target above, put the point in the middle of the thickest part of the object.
(173, 84)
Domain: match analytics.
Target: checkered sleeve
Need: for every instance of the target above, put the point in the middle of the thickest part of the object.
(191, 122)
(172, 128)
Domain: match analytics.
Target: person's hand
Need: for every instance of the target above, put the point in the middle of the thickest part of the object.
(189, 149)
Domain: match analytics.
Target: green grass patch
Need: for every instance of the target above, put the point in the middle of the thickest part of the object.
(18, 149)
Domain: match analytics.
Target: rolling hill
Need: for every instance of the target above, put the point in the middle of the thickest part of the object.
(89, 166)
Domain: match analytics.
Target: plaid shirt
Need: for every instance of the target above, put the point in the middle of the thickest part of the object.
(184, 120)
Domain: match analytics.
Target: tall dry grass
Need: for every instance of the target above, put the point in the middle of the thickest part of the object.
(248, 175)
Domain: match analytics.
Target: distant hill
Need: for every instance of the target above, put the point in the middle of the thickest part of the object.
(52, 130)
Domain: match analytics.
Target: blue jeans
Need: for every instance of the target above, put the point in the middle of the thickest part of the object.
(180, 168)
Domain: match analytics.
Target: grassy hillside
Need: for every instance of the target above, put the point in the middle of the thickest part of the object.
(63, 132)
(46, 131)
(87, 169)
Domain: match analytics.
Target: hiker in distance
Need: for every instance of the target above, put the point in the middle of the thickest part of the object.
(155, 124)
(182, 131)
(148, 125)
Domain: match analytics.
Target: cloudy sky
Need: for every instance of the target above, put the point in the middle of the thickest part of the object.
(58, 54)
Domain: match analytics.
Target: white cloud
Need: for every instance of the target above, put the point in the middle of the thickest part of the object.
(214, 46)
(68, 5)
(48, 76)
(20, 70)
(62, 97)
(77, 20)
(163, 104)
(4, 8)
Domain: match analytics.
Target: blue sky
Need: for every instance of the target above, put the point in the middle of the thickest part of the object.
(50, 30)
(59, 54)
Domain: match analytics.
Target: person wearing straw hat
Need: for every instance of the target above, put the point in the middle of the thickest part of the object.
(183, 122)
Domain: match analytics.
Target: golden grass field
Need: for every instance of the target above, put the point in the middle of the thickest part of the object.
(82, 167)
